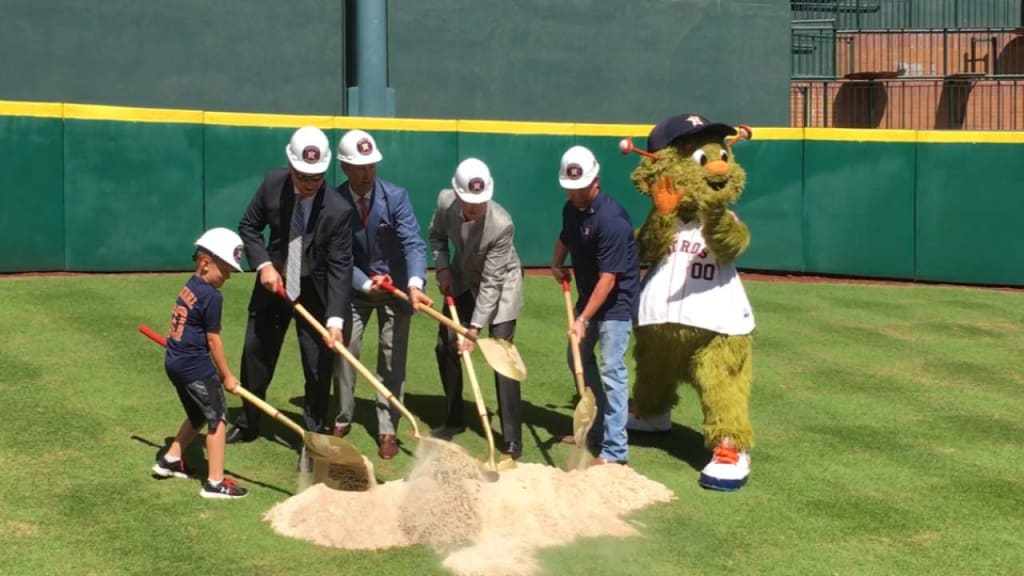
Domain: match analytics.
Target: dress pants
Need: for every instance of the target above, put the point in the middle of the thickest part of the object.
(448, 363)
(269, 316)
(393, 319)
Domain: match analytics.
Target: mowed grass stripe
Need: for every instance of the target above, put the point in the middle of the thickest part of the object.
(886, 419)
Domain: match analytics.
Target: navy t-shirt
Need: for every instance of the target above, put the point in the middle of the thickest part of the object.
(196, 312)
(600, 239)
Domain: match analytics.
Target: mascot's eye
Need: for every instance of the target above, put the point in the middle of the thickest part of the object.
(699, 157)
(724, 156)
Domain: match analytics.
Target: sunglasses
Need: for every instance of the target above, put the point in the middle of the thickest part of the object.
(307, 177)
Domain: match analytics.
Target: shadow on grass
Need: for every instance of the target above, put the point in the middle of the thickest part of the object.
(191, 456)
(682, 443)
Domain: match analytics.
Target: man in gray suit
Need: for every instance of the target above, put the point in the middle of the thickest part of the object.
(485, 277)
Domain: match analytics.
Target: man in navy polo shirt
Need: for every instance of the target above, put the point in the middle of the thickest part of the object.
(598, 233)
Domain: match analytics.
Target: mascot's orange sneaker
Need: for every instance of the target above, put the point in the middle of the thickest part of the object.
(728, 469)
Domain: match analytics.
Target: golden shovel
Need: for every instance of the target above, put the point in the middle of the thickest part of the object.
(425, 443)
(481, 408)
(586, 409)
(502, 355)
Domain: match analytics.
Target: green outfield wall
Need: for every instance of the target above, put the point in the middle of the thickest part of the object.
(95, 188)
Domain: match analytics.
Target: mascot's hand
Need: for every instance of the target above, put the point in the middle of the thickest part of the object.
(665, 195)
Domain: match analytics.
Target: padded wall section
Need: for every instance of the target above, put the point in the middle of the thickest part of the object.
(968, 213)
(32, 193)
(133, 194)
(859, 208)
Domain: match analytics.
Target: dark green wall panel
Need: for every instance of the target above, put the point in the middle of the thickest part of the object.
(133, 193)
(859, 208)
(420, 162)
(591, 60)
(525, 172)
(772, 204)
(32, 193)
(239, 55)
(969, 204)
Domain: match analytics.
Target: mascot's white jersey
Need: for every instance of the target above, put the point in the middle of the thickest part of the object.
(689, 286)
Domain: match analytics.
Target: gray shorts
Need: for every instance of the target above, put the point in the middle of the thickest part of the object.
(203, 401)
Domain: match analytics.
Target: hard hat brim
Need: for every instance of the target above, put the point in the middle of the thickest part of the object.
(371, 158)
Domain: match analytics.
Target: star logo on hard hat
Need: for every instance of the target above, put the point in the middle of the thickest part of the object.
(476, 185)
(238, 254)
(574, 171)
(311, 154)
(364, 147)
(695, 120)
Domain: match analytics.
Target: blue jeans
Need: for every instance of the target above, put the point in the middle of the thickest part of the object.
(609, 430)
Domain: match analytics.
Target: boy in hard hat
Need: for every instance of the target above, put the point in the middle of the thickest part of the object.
(484, 276)
(598, 232)
(196, 365)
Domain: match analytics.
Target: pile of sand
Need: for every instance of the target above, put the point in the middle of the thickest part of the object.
(480, 527)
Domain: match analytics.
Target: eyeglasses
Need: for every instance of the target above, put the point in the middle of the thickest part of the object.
(307, 177)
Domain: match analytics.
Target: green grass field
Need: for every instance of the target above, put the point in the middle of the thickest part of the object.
(888, 421)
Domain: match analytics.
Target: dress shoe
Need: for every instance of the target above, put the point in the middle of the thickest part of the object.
(513, 449)
(388, 446)
(239, 435)
(447, 432)
(341, 430)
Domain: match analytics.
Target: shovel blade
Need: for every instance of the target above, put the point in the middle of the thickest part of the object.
(504, 357)
(583, 417)
(338, 459)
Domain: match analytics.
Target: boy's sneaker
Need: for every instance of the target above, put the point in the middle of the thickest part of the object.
(728, 470)
(165, 469)
(227, 489)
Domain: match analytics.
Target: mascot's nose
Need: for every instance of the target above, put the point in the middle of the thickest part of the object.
(717, 167)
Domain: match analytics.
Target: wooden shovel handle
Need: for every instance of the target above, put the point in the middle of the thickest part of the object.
(463, 331)
(340, 348)
(574, 342)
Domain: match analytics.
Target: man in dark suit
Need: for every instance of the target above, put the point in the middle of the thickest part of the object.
(310, 252)
(485, 278)
(386, 243)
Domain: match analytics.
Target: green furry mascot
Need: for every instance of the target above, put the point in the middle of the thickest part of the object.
(695, 323)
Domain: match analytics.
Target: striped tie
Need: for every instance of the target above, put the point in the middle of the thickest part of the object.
(294, 272)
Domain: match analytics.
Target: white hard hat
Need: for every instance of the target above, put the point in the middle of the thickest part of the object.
(224, 244)
(578, 168)
(308, 151)
(358, 149)
(472, 181)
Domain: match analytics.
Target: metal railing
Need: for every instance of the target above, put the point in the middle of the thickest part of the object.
(864, 15)
(946, 104)
(819, 52)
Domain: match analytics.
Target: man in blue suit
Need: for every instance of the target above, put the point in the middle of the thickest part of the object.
(386, 242)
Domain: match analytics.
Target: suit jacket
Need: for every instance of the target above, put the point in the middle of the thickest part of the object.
(391, 242)
(326, 241)
(486, 263)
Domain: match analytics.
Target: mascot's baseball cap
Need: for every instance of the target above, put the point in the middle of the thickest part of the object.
(308, 151)
(666, 131)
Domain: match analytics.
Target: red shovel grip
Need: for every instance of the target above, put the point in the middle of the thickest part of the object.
(152, 335)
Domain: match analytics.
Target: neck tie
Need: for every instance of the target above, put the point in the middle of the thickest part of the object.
(294, 271)
(364, 209)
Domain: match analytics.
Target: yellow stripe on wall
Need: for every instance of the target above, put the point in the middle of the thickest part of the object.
(126, 114)
(32, 109)
(173, 116)
(267, 120)
(858, 135)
